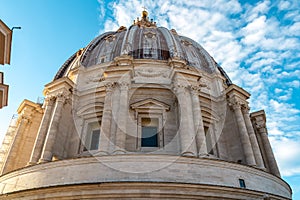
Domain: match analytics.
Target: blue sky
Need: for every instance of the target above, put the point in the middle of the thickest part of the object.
(256, 42)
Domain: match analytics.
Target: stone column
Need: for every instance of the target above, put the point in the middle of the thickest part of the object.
(268, 149)
(106, 120)
(11, 157)
(244, 134)
(122, 119)
(53, 128)
(186, 129)
(198, 122)
(38, 145)
(253, 139)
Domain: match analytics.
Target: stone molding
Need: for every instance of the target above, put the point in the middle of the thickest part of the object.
(91, 170)
(146, 190)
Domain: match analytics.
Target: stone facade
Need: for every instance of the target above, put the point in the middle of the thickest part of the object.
(139, 118)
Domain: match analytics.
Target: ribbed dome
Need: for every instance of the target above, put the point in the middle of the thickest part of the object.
(146, 43)
(144, 40)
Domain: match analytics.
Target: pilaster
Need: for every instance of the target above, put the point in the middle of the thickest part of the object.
(122, 118)
(38, 145)
(105, 133)
(19, 144)
(259, 119)
(186, 128)
(198, 122)
(53, 127)
(237, 99)
(60, 90)
(253, 139)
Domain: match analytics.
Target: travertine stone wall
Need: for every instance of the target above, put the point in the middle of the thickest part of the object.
(22, 136)
(150, 168)
(199, 117)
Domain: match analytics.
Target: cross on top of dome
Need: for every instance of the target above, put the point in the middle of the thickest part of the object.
(144, 21)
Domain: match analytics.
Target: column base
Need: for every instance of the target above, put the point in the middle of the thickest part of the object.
(31, 163)
(119, 151)
(101, 153)
(43, 161)
(203, 155)
(188, 154)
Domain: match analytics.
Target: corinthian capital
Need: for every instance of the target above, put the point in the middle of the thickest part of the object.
(124, 85)
(195, 89)
(49, 100)
(235, 103)
(109, 86)
(180, 87)
(245, 109)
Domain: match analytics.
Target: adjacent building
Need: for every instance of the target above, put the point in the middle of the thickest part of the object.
(5, 51)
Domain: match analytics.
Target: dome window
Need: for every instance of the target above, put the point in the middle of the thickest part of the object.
(150, 115)
(92, 136)
(149, 136)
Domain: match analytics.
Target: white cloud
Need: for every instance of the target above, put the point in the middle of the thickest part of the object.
(284, 5)
(294, 83)
(287, 95)
(277, 90)
(255, 31)
(286, 156)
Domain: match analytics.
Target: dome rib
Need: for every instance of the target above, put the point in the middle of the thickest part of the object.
(145, 42)
(62, 70)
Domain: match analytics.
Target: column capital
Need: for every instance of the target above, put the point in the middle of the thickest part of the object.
(109, 86)
(124, 85)
(49, 100)
(236, 103)
(245, 109)
(195, 89)
(60, 96)
(25, 118)
(180, 87)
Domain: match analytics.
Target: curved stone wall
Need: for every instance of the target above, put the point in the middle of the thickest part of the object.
(193, 172)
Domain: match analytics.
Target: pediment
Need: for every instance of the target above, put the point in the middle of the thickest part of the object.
(150, 103)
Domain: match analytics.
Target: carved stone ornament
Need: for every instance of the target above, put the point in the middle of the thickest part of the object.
(96, 78)
(49, 100)
(123, 85)
(174, 32)
(180, 87)
(245, 109)
(109, 86)
(195, 89)
(61, 95)
(150, 34)
(144, 21)
(236, 103)
(110, 38)
(186, 43)
(150, 73)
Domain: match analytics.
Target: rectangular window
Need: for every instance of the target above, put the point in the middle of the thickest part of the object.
(208, 140)
(149, 132)
(92, 136)
(242, 183)
(95, 139)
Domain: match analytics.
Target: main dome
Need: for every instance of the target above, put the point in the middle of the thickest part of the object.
(144, 40)
(140, 113)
